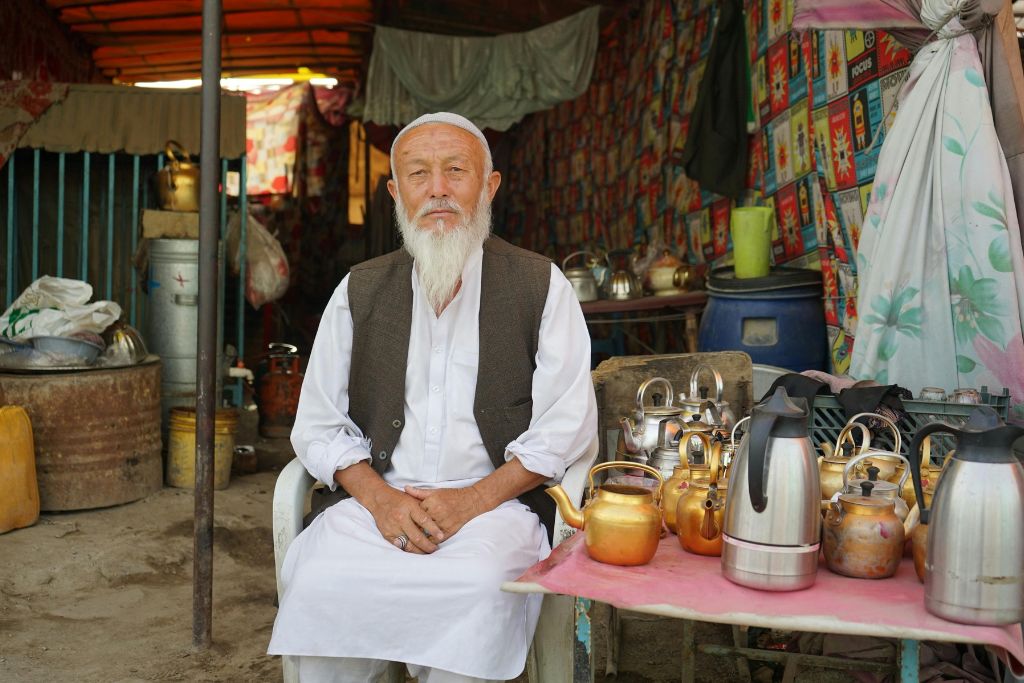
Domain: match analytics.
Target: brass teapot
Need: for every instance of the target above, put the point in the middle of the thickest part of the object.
(676, 484)
(833, 462)
(701, 508)
(177, 183)
(621, 523)
(863, 536)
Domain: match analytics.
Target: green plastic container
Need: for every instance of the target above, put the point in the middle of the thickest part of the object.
(751, 228)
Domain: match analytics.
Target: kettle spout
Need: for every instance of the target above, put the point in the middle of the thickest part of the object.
(628, 436)
(572, 516)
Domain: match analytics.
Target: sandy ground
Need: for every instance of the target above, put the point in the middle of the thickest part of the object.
(106, 595)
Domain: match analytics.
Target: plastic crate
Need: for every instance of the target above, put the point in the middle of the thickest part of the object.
(828, 419)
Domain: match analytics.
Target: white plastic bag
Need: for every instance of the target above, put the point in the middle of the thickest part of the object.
(266, 266)
(56, 306)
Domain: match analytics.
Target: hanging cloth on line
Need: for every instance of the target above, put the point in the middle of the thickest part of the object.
(494, 82)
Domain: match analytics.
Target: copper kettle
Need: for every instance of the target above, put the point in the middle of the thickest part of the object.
(177, 183)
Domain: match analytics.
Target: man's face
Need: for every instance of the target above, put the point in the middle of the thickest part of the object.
(436, 165)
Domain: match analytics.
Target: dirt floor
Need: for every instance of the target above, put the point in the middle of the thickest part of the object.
(106, 595)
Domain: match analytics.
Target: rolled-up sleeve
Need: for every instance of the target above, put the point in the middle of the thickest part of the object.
(324, 436)
(564, 422)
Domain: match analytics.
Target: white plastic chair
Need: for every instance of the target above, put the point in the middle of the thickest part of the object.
(550, 658)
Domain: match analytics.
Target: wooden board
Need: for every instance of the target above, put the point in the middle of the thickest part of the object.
(616, 381)
(169, 224)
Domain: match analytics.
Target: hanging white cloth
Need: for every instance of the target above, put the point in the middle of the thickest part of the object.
(494, 81)
(941, 276)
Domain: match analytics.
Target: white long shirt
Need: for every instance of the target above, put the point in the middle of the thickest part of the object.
(348, 592)
(440, 444)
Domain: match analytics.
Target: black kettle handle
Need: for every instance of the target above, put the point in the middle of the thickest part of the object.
(915, 461)
(761, 427)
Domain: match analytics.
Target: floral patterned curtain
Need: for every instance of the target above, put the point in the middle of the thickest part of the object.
(941, 286)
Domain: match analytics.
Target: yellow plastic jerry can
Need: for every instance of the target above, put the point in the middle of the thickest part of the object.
(19, 492)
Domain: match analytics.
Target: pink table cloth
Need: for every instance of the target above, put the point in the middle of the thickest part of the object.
(678, 584)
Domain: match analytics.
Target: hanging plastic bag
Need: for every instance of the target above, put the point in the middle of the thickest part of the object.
(56, 306)
(266, 266)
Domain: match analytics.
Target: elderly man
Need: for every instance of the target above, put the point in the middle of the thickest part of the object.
(449, 381)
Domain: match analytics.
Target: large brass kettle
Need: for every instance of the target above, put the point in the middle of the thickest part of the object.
(177, 183)
(621, 523)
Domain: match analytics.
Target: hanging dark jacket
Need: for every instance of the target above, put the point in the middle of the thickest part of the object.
(716, 147)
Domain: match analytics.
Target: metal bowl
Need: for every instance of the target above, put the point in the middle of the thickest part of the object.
(70, 349)
(124, 344)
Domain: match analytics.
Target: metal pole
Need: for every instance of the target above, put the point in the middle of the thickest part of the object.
(206, 369)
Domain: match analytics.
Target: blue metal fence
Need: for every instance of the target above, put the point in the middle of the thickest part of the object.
(107, 200)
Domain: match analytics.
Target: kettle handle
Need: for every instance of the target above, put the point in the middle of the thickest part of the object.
(865, 437)
(761, 427)
(684, 440)
(575, 253)
(732, 434)
(695, 375)
(864, 456)
(897, 441)
(181, 156)
(643, 389)
(625, 464)
(915, 460)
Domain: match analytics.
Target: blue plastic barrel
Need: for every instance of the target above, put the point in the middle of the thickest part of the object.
(777, 320)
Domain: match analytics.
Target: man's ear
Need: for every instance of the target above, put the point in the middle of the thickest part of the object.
(493, 181)
(393, 189)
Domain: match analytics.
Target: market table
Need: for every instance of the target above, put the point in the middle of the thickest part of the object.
(691, 587)
(686, 306)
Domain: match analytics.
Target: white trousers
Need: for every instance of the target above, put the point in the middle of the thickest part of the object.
(355, 670)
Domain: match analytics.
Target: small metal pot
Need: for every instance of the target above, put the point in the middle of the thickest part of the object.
(581, 279)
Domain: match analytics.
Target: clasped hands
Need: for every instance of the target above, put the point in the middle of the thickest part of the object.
(426, 517)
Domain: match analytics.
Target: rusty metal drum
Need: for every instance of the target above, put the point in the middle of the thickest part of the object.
(278, 383)
(97, 432)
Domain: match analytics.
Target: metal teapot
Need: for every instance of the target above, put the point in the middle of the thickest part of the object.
(621, 523)
(862, 536)
(698, 401)
(700, 510)
(581, 278)
(888, 465)
(640, 437)
(881, 488)
(667, 455)
(177, 183)
(623, 282)
(974, 564)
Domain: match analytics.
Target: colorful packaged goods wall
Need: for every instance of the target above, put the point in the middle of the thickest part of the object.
(606, 169)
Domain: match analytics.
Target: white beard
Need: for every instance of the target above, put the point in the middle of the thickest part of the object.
(440, 255)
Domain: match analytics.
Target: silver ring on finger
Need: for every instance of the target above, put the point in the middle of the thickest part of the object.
(402, 541)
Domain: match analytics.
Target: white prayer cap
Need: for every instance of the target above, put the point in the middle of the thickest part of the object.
(452, 120)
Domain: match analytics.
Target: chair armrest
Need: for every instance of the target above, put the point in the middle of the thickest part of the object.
(290, 494)
(575, 482)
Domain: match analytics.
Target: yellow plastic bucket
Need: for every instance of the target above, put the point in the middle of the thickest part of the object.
(181, 447)
(751, 228)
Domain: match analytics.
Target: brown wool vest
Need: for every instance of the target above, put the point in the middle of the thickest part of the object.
(513, 290)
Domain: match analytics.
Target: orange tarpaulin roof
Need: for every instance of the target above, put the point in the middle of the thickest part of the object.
(147, 40)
